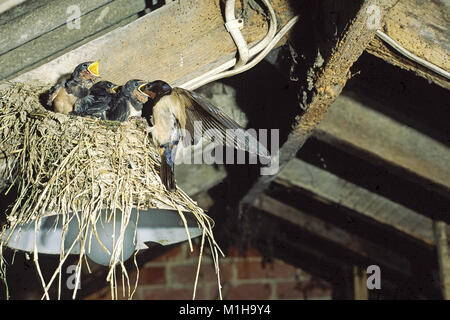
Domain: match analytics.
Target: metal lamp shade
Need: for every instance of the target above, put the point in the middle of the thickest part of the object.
(163, 226)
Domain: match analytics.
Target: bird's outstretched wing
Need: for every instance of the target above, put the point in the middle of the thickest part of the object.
(216, 124)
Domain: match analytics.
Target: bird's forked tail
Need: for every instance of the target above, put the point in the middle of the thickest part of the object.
(167, 171)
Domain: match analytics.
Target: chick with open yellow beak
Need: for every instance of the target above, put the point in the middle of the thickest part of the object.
(63, 96)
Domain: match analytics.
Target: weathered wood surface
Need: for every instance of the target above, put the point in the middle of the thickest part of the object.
(174, 43)
(442, 242)
(349, 124)
(330, 188)
(62, 37)
(37, 22)
(79, 43)
(9, 5)
(329, 85)
(423, 28)
(334, 234)
(360, 283)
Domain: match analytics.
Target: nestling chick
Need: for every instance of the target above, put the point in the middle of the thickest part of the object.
(63, 96)
(98, 102)
(128, 102)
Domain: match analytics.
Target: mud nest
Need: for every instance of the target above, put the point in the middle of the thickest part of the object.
(62, 165)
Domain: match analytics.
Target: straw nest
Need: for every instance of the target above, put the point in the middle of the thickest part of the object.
(65, 164)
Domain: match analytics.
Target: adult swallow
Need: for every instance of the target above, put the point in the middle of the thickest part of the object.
(63, 96)
(181, 115)
(128, 101)
(97, 103)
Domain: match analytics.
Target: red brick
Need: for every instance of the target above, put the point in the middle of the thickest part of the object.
(303, 275)
(255, 270)
(289, 290)
(233, 252)
(312, 289)
(249, 291)
(105, 293)
(152, 275)
(152, 293)
(174, 254)
(101, 294)
(185, 274)
(213, 292)
(194, 254)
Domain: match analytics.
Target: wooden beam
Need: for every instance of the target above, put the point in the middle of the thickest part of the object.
(332, 189)
(360, 283)
(20, 9)
(336, 235)
(422, 28)
(193, 40)
(6, 5)
(35, 50)
(38, 22)
(349, 124)
(194, 179)
(332, 79)
(442, 243)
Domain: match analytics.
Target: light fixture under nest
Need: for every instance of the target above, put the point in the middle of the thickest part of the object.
(87, 187)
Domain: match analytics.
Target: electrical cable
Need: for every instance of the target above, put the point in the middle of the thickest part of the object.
(412, 56)
(257, 52)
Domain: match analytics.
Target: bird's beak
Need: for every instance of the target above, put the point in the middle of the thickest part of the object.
(93, 68)
(143, 88)
(114, 90)
(157, 89)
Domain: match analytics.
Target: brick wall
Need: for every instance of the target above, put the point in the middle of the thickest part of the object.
(172, 276)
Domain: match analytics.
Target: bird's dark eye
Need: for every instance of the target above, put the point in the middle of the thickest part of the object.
(136, 84)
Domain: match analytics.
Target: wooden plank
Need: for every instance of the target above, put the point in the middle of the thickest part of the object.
(333, 189)
(194, 179)
(349, 124)
(174, 42)
(62, 37)
(422, 27)
(37, 22)
(360, 283)
(334, 234)
(6, 5)
(442, 243)
(328, 86)
(80, 43)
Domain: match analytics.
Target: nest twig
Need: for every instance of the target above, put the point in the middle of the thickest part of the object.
(75, 167)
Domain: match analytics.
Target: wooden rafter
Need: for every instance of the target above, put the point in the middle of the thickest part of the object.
(329, 85)
(336, 235)
(421, 27)
(350, 125)
(186, 47)
(333, 189)
(443, 251)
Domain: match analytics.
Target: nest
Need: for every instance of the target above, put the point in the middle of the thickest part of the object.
(65, 164)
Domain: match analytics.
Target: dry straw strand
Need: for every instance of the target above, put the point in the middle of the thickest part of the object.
(76, 168)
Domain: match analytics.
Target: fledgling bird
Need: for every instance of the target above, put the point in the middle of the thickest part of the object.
(97, 103)
(128, 101)
(180, 115)
(63, 96)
